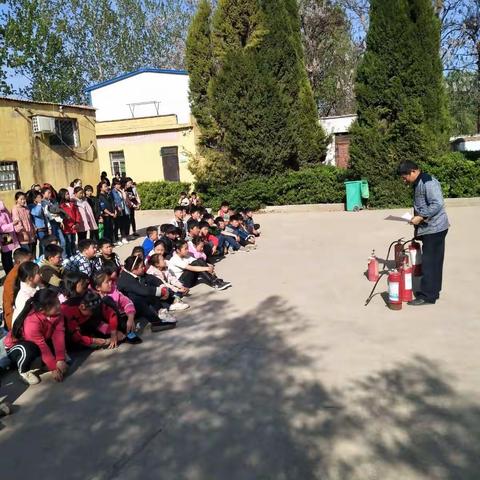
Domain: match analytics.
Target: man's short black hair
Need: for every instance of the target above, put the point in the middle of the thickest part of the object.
(406, 167)
(178, 208)
(225, 204)
(86, 243)
(169, 228)
(203, 224)
(52, 250)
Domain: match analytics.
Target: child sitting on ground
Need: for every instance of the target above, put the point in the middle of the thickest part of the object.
(250, 225)
(83, 261)
(48, 240)
(160, 247)
(230, 239)
(148, 294)
(123, 306)
(88, 322)
(39, 323)
(184, 201)
(243, 237)
(211, 246)
(150, 239)
(172, 234)
(158, 268)
(28, 282)
(187, 269)
(106, 256)
(51, 271)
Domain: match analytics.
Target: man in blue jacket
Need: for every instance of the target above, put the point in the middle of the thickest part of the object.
(431, 227)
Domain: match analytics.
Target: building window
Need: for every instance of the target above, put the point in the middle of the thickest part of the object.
(117, 162)
(9, 178)
(66, 133)
(171, 171)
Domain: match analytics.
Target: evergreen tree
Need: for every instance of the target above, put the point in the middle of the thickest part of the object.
(199, 62)
(401, 101)
(259, 95)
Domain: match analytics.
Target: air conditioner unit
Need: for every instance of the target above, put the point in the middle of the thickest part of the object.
(42, 124)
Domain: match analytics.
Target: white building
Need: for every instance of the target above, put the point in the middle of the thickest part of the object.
(467, 143)
(338, 149)
(146, 92)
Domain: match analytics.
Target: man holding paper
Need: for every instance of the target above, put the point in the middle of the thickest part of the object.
(431, 227)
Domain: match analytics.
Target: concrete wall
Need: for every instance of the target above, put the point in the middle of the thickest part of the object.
(332, 126)
(171, 90)
(141, 139)
(38, 161)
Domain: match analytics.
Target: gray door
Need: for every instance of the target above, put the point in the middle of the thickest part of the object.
(171, 171)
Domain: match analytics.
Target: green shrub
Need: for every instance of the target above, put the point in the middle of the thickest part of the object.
(459, 177)
(321, 184)
(160, 195)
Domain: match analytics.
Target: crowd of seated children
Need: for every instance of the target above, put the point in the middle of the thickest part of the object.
(78, 294)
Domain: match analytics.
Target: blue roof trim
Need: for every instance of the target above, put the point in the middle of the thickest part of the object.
(132, 74)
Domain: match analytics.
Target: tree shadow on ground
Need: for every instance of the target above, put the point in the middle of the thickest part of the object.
(232, 396)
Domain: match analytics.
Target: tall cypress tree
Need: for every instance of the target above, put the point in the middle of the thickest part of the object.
(259, 95)
(199, 62)
(400, 96)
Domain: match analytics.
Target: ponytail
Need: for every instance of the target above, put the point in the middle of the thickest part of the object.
(17, 327)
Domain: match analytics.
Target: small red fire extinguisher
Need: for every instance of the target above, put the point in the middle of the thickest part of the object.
(415, 252)
(394, 282)
(372, 270)
(406, 287)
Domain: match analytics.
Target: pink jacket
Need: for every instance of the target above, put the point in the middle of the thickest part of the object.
(123, 302)
(25, 230)
(88, 218)
(8, 236)
(38, 328)
(194, 253)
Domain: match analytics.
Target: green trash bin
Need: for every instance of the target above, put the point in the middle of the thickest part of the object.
(353, 190)
(365, 190)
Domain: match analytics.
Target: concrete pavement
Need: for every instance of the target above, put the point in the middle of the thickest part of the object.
(284, 376)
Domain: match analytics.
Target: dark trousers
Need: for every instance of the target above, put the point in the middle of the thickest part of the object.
(189, 279)
(133, 223)
(7, 261)
(432, 265)
(70, 244)
(148, 307)
(108, 228)
(122, 224)
(82, 235)
(23, 354)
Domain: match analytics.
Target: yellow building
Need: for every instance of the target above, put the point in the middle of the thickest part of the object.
(44, 142)
(146, 148)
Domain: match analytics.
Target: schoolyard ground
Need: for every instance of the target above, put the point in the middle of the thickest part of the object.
(285, 376)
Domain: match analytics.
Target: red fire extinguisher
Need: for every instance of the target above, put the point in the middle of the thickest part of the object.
(406, 286)
(394, 283)
(415, 253)
(372, 270)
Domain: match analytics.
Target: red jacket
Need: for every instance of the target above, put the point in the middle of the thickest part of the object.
(73, 219)
(38, 328)
(74, 319)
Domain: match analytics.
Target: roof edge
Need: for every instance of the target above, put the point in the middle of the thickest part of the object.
(123, 76)
(66, 105)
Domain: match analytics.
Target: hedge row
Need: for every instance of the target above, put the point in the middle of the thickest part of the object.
(322, 184)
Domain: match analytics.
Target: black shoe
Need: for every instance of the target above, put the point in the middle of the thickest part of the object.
(161, 326)
(221, 285)
(135, 234)
(419, 301)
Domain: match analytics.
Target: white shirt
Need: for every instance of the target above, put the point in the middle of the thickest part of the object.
(177, 265)
(25, 293)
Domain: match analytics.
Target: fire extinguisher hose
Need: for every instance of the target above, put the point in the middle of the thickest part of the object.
(372, 293)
